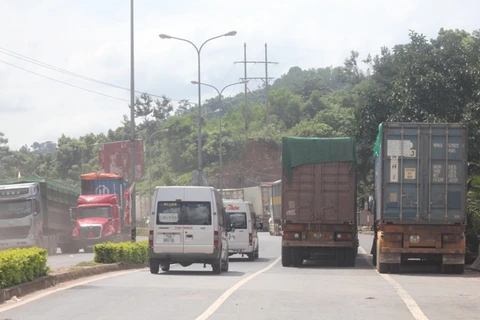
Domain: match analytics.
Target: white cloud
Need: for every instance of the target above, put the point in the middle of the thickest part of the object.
(92, 38)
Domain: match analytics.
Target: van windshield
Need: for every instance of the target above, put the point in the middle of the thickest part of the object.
(238, 220)
(184, 213)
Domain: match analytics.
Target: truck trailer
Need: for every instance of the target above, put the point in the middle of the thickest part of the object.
(319, 200)
(420, 196)
(36, 212)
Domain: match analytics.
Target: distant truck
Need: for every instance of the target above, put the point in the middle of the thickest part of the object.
(101, 214)
(36, 212)
(319, 200)
(420, 201)
(275, 221)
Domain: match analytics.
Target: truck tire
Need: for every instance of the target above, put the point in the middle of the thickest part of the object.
(350, 257)
(286, 257)
(458, 268)
(297, 259)
(394, 267)
(341, 258)
(154, 267)
(382, 267)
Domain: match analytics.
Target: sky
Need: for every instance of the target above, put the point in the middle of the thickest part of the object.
(91, 39)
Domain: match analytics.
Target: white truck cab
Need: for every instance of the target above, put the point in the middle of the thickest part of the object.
(242, 238)
(188, 225)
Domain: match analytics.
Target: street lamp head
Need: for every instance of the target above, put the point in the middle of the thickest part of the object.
(164, 36)
(230, 34)
(194, 82)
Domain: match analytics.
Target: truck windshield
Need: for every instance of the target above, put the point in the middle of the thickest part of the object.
(185, 213)
(15, 209)
(238, 220)
(94, 212)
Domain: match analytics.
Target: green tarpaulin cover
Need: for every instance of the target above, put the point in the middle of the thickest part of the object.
(297, 151)
(378, 142)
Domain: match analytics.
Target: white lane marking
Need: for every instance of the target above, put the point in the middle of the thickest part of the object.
(60, 287)
(207, 313)
(412, 306)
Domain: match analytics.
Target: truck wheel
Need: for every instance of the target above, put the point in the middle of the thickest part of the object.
(297, 259)
(341, 257)
(394, 267)
(350, 257)
(458, 268)
(382, 267)
(251, 256)
(165, 267)
(217, 267)
(286, 257)
(154, 267)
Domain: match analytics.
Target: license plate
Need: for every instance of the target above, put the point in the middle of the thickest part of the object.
(169, 238)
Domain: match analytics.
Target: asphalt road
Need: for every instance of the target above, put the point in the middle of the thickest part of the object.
(262, 289)
(61, 261)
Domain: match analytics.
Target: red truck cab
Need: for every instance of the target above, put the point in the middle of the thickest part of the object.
(97, 220)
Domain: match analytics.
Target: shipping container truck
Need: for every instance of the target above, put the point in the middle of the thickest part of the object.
(420, 195)
(102, 214)
(266, 188)
(319, 200)
(36, 212)
(275, 222)
(233, 194)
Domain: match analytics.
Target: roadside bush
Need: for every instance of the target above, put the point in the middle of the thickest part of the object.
(142, 232)
(128, 252)
(22, 265)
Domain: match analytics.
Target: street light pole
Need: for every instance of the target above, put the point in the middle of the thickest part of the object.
(150, 162)
(199, 120)
(221, 107)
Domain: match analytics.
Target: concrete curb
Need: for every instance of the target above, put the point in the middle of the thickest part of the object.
(52, 280)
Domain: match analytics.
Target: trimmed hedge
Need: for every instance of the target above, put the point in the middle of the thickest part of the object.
(22, 265)
(128, 252)
(142, 232)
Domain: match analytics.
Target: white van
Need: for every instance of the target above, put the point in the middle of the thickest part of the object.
(242, 238)
(188, 225)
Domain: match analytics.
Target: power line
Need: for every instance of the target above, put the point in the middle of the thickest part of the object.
(63, 82)
(70, 73)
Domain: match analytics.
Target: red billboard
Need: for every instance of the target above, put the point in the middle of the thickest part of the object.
(114, 157)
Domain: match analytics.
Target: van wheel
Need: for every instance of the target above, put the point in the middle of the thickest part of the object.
(286, 257)
(165, 267)
(225, 265)
(154, 267)
(217, 267)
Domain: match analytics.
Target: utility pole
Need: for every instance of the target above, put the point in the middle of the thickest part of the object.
(264, 79)
(133, 218)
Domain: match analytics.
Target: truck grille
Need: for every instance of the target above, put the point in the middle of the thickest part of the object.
(95, 231)
(14, 233)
